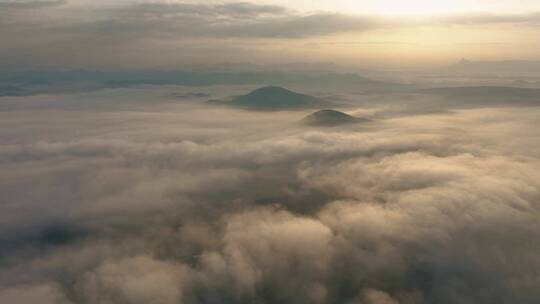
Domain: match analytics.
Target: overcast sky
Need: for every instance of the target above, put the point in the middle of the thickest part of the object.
(384, 33)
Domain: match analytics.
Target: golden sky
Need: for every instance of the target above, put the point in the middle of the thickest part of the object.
(382, 33)
(397, 7)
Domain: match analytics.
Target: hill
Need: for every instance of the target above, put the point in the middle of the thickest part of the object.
(330, 118)
(277, 98)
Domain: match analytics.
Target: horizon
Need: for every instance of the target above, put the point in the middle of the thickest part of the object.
(288, 65)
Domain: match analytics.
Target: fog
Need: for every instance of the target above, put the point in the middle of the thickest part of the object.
(150, 194)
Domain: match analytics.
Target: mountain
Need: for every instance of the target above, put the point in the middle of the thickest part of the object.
(485, 91)
(277, 98)
(486, 95)
(9, 90)
(196, 76)
(495, 68)
(331, 118)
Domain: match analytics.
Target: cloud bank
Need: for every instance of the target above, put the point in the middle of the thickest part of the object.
(177, 202)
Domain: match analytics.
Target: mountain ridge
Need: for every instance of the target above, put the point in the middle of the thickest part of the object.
(276, 98)
(331, 118)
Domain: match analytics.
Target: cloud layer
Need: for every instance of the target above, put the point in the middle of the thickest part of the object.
(176, 202)
(120, 33)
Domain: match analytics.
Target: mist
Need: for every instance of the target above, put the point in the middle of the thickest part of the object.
(136, 195)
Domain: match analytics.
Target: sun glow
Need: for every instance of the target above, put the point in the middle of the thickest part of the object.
(419, 7)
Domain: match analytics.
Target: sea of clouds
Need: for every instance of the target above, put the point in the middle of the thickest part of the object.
(132, 196)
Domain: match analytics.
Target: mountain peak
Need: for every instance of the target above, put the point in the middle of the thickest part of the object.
(270, 89)
(330, 118)
(277, 98)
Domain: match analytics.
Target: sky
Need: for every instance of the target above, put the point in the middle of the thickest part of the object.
(148, 34)
(413, 6)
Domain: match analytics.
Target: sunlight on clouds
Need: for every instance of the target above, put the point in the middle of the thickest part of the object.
(413, 7)
(418, 7)
(350, 32)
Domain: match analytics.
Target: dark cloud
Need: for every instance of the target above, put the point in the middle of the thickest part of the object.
(178, 9)
(225, 21)
(30, 4)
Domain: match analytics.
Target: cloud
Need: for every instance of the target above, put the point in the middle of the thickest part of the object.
(160, 33)
(266, 249)
(45, 293)
(238, 20)
(233, 20)
(29, 4)
(187, 203)
(134, 280)
(82, 34)
(485, 18)
(231, 10)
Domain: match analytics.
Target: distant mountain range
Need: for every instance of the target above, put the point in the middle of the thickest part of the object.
(10, 90)
(31, 82)
(485, 91)
(273, 98)
(486, 95)
(491, 68)
(331, 118)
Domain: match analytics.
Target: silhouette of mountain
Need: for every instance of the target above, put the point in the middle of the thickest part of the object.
(500, 68)
(330, 118)
(196, 76)
(485, 91)
(9, 90)
(277, 98)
